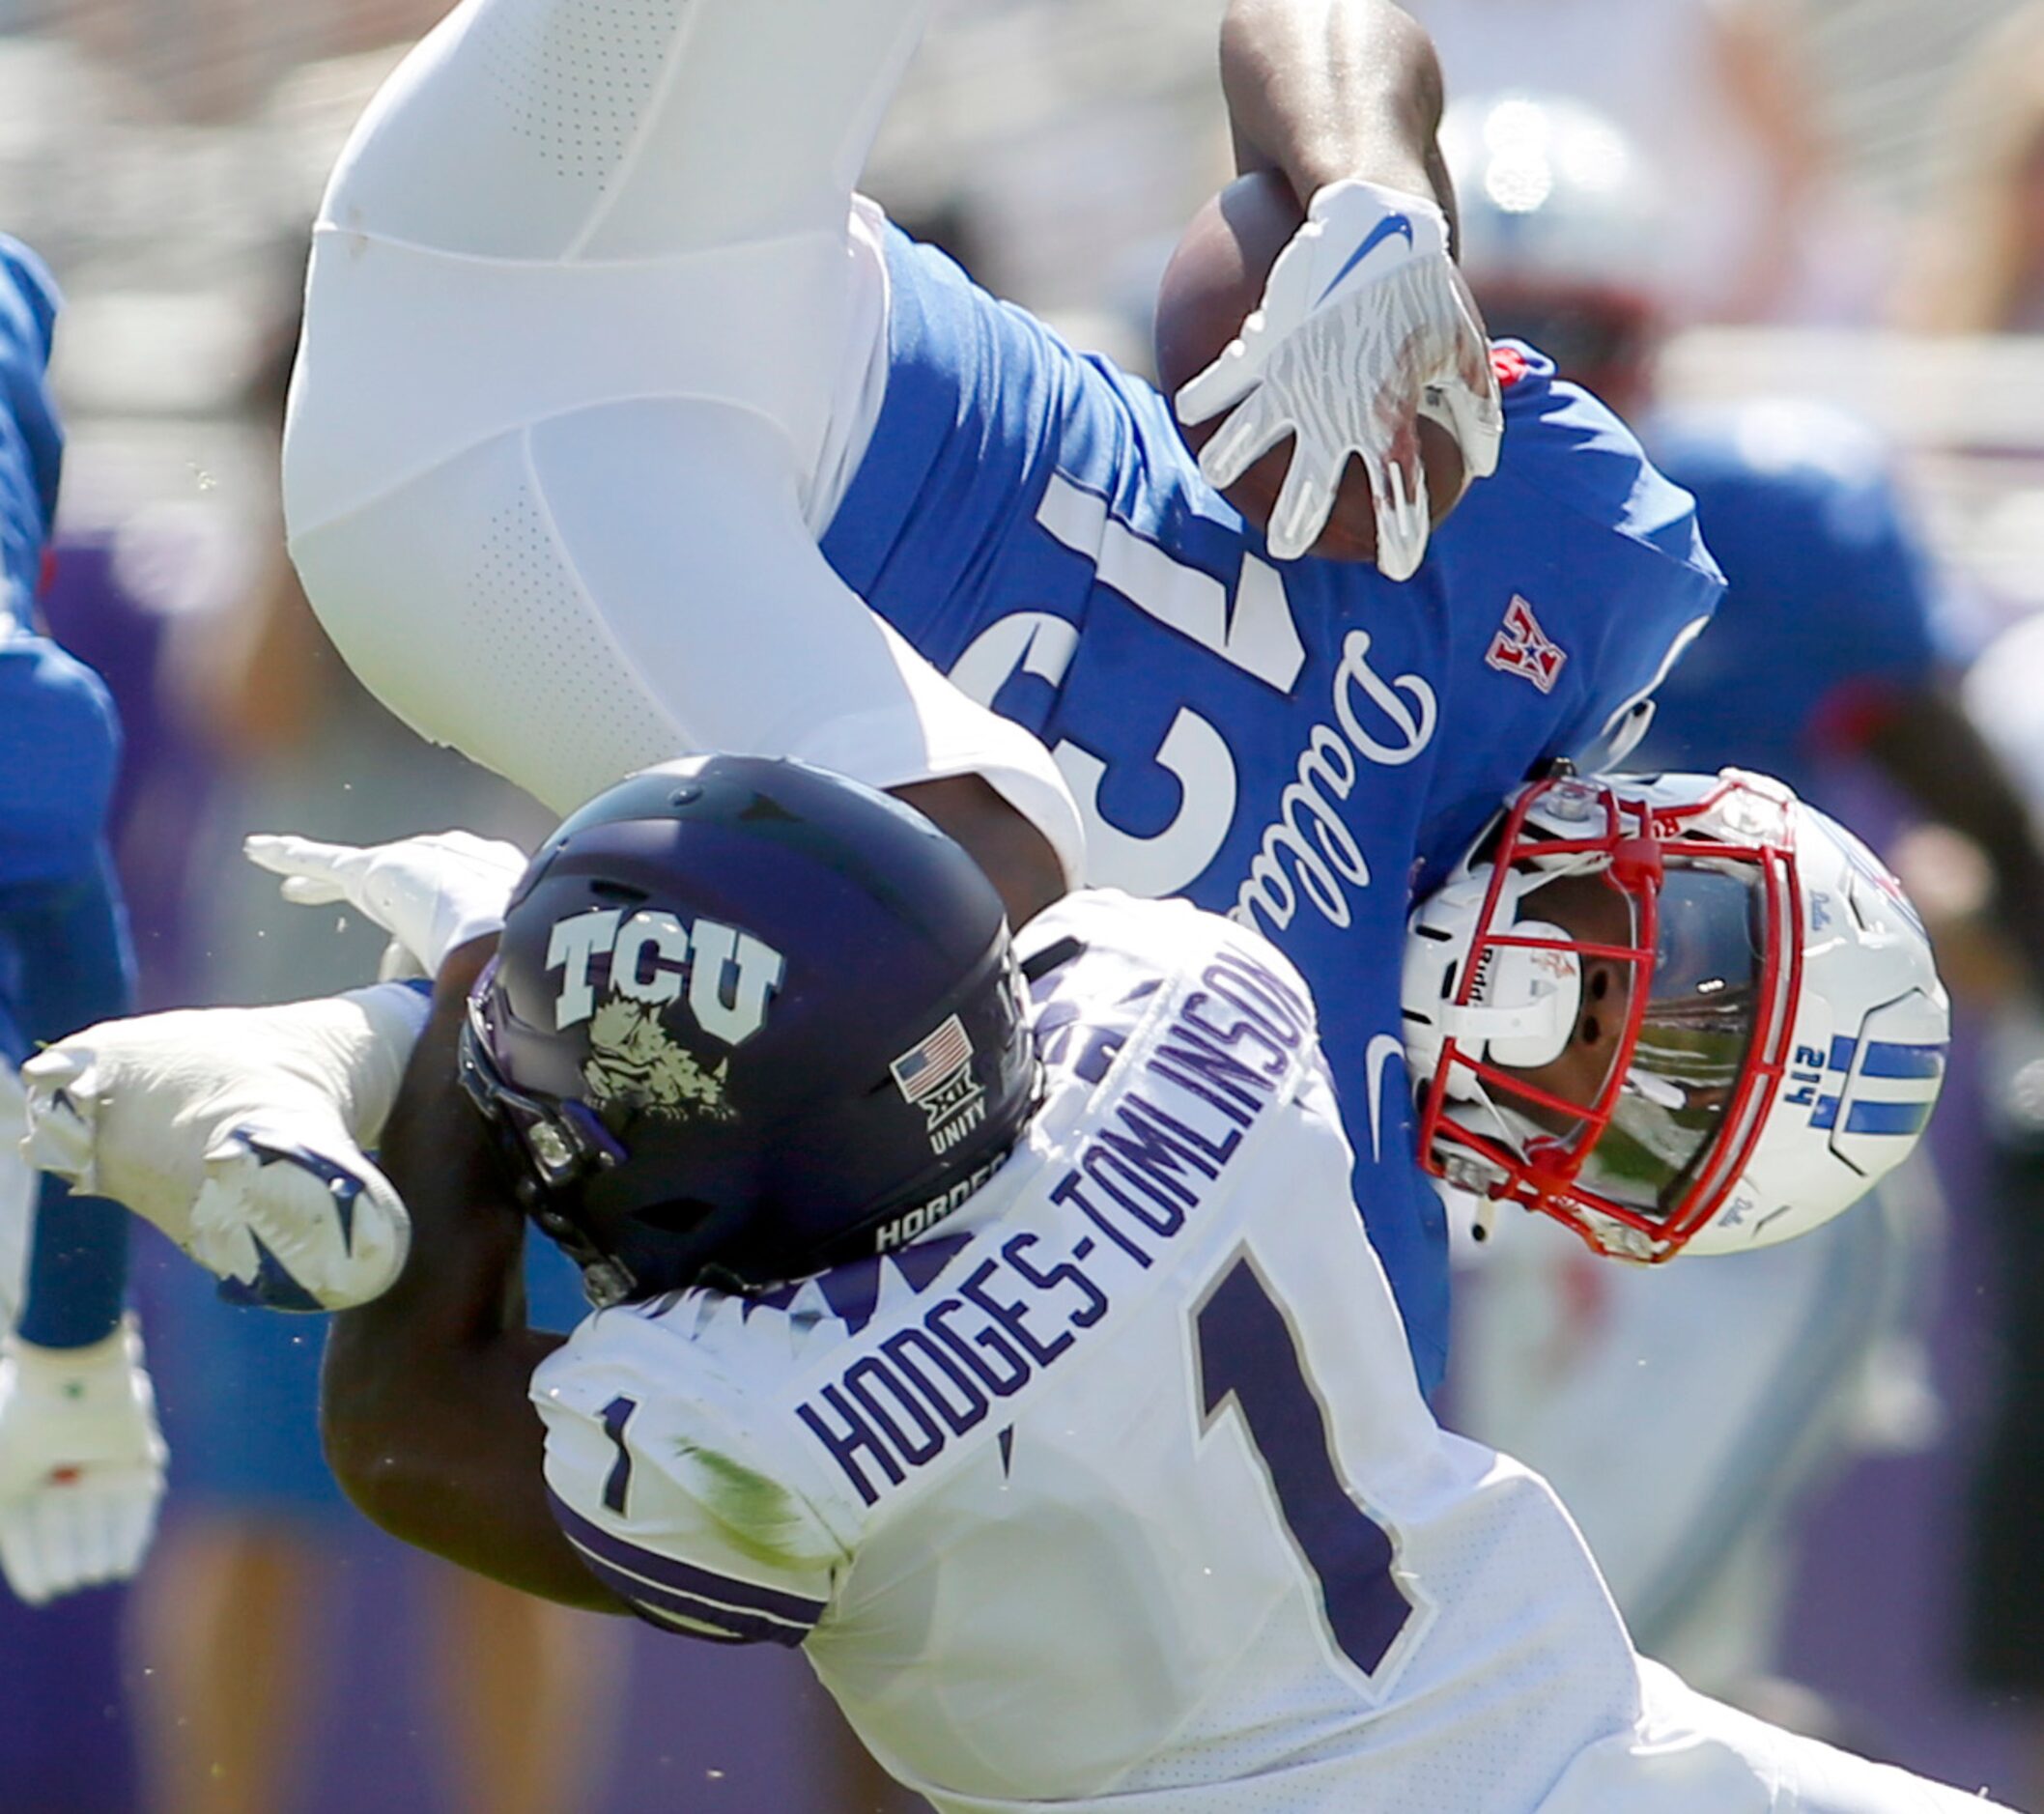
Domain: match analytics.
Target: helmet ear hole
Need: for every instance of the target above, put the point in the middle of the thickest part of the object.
(678, 1215)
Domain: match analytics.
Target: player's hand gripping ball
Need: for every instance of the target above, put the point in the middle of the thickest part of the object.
(1300, 348)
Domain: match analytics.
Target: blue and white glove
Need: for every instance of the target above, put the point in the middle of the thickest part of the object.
(81, 1464)
(239, 1132)
(1365, 326)
(430, 892)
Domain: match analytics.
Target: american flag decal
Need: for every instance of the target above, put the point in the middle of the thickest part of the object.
(926, 1066)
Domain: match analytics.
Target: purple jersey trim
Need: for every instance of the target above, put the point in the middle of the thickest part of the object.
(743, 1609)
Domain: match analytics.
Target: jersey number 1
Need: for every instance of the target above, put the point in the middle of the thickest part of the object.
(1247, 1355)
(616, 1415)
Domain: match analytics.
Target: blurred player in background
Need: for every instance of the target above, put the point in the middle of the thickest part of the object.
(81, 1461)
(615, 411)
(2003, 1631)
(1979, 270)
(1710, 88)
(1822, 653)
(1979, 266)
(994, 1322)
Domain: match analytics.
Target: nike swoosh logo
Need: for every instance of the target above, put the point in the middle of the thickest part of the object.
(1381, 1050)
(1378, 233)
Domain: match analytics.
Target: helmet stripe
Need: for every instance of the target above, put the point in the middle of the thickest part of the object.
(1887, 1118)
(1888, 1057)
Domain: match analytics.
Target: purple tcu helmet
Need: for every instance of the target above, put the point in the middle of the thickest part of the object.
(748, 1020)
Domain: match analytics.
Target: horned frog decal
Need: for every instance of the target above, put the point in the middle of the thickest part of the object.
(634, 1064)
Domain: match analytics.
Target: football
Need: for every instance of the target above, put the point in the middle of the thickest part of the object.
(1215, 280)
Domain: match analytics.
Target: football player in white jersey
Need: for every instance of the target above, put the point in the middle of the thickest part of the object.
(995, 1324)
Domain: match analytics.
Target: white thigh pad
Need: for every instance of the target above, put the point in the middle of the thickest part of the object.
(555, 129)
(622, 583)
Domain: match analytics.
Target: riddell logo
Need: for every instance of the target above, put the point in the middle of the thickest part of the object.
(1480, 985)
(1523, 648)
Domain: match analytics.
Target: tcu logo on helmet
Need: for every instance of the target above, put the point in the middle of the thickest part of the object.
(730, 975)
(1523, 648)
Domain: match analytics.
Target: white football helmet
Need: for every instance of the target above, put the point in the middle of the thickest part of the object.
(1677, 1012)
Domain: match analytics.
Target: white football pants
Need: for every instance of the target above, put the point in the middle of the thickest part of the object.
(1693, 1755)
(592, 345)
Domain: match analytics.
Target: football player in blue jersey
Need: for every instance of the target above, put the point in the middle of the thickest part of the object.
(621, 426)
(81, 1461)
(992, 1319)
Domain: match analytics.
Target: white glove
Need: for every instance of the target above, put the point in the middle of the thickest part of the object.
(430, 894)
(239, 1132)
(1365, 326)
(81, 1464)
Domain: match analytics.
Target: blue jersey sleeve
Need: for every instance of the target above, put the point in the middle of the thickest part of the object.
(58, 738)
(31, 440)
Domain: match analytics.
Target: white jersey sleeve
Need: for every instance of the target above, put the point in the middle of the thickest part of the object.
(593, 334)
(656, 1478)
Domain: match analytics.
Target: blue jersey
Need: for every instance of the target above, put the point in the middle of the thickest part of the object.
(64, 957)
(58, 743)
(1829, 599)
(31, 441)
(1300, 747)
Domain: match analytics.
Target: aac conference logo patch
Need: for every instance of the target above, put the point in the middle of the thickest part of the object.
(1523, 648)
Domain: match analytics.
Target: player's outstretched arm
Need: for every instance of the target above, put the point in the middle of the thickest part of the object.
(1327, 90)
(423, 1404)
(1365, 324)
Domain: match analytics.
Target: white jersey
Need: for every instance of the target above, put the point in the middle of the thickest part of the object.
(1115, 1488)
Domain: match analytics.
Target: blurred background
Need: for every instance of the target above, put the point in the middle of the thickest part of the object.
(1854, 198)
